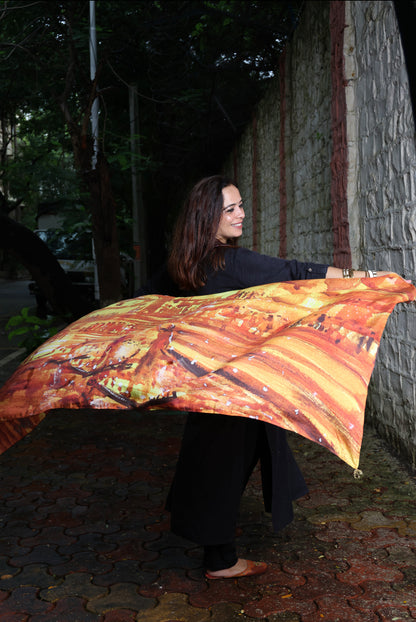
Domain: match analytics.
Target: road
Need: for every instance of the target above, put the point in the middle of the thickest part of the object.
(14, 296)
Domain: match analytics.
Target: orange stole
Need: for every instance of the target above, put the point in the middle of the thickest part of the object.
(297, 354)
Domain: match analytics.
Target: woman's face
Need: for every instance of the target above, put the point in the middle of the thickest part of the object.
(231, 223)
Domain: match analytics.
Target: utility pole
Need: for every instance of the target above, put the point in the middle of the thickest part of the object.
(93, 71)
(139, 242)
(94, 122)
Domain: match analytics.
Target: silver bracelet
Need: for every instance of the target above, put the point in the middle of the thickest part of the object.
(347, 273)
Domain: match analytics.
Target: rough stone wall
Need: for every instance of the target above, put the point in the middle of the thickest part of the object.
(243, 177)
(307, 148)
(381, 187)
(268, 120)
(308, 139)
(383, 214)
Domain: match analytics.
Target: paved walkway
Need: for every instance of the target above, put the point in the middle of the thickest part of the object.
(84, 535)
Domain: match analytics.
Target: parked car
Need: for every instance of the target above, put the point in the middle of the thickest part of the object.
(74, 252)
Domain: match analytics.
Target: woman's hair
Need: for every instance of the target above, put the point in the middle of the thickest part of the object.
(195, 247)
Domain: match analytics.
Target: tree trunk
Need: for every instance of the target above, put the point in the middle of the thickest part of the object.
(104, 228)
(45, 269)
(97, 184)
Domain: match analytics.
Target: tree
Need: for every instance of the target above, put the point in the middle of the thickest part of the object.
(199, 65)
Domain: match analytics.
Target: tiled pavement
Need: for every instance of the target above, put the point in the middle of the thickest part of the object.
(84, 535)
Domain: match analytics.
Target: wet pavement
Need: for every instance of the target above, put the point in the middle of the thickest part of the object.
(84, 535)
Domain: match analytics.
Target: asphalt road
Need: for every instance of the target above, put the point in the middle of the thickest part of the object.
(14, 296)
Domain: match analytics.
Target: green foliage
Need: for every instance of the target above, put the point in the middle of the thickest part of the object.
(32, 330)
(200, 67)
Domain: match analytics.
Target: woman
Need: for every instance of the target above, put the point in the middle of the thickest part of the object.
(218, 453)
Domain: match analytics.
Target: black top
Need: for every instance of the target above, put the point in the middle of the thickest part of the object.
(245, 268)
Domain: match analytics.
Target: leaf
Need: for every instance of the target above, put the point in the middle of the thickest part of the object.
(18, 331)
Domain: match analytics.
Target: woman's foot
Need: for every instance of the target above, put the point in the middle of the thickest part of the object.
(243, 568)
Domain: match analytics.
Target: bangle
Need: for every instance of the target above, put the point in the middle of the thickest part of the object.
(371, 273)
(347, 273)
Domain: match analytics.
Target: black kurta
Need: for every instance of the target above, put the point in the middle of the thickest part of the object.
(219, 452)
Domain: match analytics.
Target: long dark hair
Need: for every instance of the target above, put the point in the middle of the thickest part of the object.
(194, 243)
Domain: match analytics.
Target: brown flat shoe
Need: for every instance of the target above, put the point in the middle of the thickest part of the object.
(253, 568)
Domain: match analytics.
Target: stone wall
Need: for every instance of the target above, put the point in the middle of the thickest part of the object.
(385, 206)
(284, 166)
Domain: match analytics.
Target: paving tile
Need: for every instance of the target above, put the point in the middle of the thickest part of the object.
(378, 595)
(319, 584)
(275, 578)
(228, 591)
(320, 498)
(270, 605)
(119, 615)
(323, 518)
(340, 531)
(83, 487)
(13, 617)
(60, 519)
(87, 527)
(89, 541)
(284, 616)
(402, 554)
(409, 579)
(364, 569)
(131, 550)
(335, 609)
(35, 575)
(76, 584)
(159, 524)
(50, 535)
(408, 528)
(137, 531)
(173, 581)
(42, 554)
(387, 614)
(84, 561)
(71, 609)
(124, 594)
(129, 571)
(372, 519)
(12, 547)
(227, 612)
(70, 489)
(24, 600)
(17, 528)
(172, 607)
(6, 571)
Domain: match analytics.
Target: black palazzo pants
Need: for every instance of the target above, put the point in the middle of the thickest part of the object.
(217, 457)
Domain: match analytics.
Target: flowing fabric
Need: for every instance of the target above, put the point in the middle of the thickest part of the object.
(297, 354)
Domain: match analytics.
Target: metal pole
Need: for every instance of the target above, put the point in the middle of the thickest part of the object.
(93, 71)
(137, 201)
(94, 122)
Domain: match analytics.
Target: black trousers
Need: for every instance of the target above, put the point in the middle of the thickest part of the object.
(220, 556)
(217, 457)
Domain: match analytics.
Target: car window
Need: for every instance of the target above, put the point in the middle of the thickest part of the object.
(67, 245)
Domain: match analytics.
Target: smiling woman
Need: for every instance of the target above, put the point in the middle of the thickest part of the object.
(219, 453)
(232, 217)
(273, 356)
